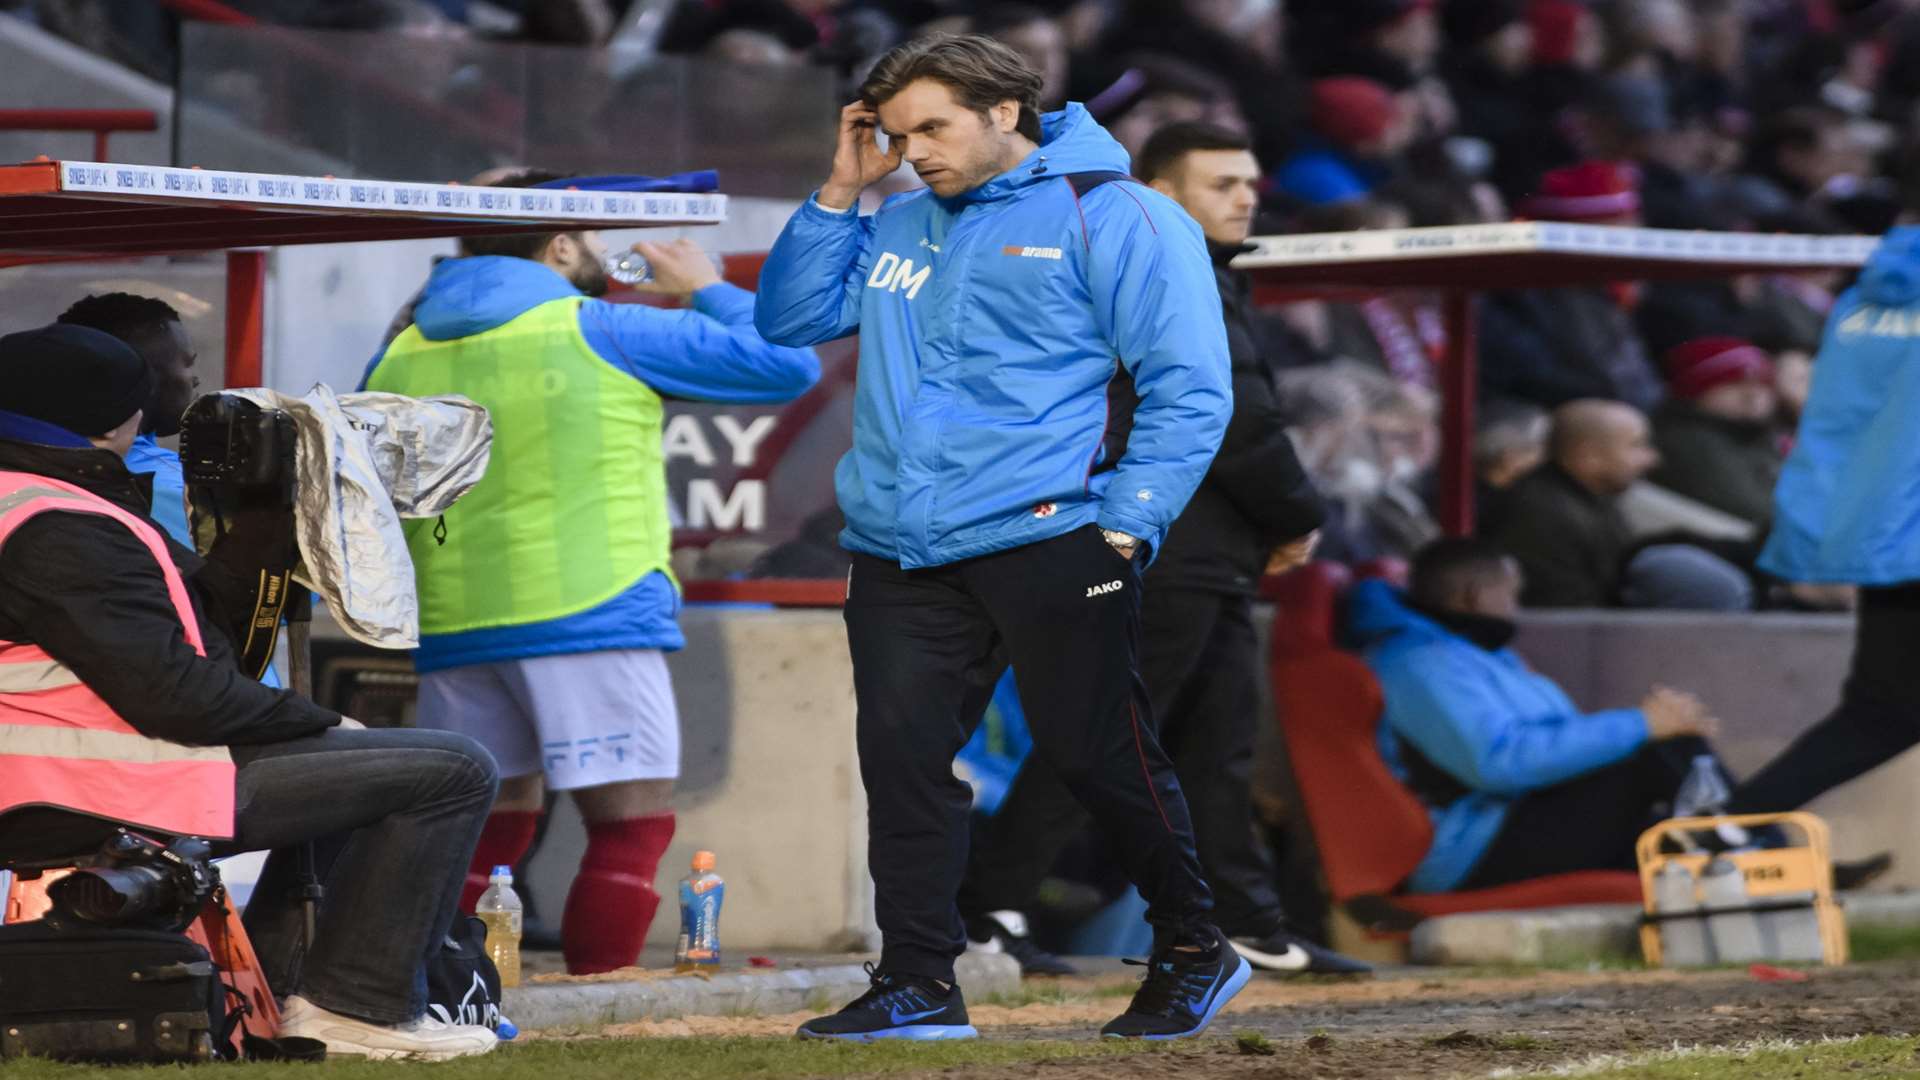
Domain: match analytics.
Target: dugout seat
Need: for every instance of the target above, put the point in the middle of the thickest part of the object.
(1370, 829)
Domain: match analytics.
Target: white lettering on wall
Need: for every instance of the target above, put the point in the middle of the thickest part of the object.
(745, 507)
(744, 440)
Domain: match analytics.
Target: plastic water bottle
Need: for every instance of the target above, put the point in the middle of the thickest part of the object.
(701, 893)
(499, 908)
(1683, 941)
(1704, 793)
(1793, 935)
(1734, 930)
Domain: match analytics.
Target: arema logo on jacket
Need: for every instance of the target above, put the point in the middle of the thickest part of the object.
(991, 324)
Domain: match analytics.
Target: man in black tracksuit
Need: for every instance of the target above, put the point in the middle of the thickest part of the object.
(1255, 512)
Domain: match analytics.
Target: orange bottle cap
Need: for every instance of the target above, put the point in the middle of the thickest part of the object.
(703, 861)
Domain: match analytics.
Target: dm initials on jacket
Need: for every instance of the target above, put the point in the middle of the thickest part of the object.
(62, 746)
(573, 508)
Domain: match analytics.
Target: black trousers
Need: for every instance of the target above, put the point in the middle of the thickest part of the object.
(1201, 663)
(1065, 613)
(1590, 822)
(1877, 718)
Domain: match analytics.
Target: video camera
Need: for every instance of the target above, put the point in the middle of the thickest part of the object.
(239, 462)
(234, 446)
(137, 882)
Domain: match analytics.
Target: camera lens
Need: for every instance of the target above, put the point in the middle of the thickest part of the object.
(113, 895)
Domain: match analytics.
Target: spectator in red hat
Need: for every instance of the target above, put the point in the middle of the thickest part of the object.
(1359, 130)
(1569, 45)
(1593, 193)
(1552, 346)
(1716, 433)
(1566, 34)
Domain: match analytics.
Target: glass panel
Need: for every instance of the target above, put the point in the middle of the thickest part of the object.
(399, 107)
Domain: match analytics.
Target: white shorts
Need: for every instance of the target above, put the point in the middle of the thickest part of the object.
(583, 719)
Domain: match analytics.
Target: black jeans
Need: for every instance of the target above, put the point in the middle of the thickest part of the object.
(1201, 663)
(396, 814)
(1590, 822)
(1877, 718)
(1065, 613)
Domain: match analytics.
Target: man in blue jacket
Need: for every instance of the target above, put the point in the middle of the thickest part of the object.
(546, 601)
(993, 510)
(1847, 511)
(1519, 782)
(153, 328)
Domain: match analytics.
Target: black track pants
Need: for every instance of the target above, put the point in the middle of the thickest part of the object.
(1065, 613)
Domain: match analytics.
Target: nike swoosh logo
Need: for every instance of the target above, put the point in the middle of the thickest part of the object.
(899, 1017)
(1294, 959)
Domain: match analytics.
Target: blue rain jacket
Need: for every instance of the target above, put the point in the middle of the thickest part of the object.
(990, 326)
(1847, 507)
(1483, 717)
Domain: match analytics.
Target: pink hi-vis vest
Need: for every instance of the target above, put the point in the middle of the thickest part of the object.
(61, 746)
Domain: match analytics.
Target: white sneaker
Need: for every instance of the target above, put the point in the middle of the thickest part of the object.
(424, 1039)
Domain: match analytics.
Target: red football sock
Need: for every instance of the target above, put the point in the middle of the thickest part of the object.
(503, 842)
(613, 900)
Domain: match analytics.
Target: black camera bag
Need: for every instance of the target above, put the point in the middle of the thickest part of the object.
(108, 994)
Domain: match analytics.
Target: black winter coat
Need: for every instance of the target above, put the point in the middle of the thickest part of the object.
(1256, 496)
(84, 589)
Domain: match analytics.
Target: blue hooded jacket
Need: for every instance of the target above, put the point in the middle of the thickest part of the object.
(1481, 716)
(1847, 507)
(709, 352)
(990, 326)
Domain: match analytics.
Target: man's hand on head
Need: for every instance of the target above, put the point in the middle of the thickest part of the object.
(858, 161)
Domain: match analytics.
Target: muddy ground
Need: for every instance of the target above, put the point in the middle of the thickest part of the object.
(1441, 1026)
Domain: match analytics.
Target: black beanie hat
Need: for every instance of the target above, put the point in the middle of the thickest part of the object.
(75, 377)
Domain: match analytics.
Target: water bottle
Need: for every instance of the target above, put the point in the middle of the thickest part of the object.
(701, 893)
(1733, 930)
(499, 908)
(1704, 793)
(632, 268)
(1792, 935)
(1683, 941)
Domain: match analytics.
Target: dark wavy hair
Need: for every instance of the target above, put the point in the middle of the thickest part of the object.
(980, 71)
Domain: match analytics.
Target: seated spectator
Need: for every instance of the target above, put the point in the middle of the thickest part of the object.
(1510, 443)
(1359, 128)
(1803, 157)
(1552, 346)
(129, 622)
(1519, 781)
(1154, 91)
(1487, 71)
(1716, 432)
(1038, 38)
(1393, 41)
(1404, 421)
(1326, 415)
(1560, 521)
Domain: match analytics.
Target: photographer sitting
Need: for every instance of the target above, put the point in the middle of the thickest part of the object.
(120, 700)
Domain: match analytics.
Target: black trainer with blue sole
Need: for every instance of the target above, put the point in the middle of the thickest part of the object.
(897, 1007)
(1182, 992)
